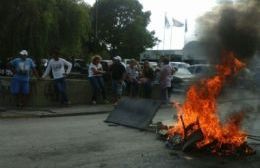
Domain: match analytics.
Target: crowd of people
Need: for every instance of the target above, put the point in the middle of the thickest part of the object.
(131, 80)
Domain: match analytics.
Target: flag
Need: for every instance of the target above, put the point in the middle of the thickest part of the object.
(176, 23)
(166, 22)
(186, 26)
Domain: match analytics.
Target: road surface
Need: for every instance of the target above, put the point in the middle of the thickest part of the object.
(86, 142)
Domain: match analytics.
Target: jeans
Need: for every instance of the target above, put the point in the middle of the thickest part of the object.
(166, 95)
(97, 84)
(60, 87)
(131, 88)
(147, 86)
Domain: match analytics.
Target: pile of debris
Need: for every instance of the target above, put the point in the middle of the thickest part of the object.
(193, 135)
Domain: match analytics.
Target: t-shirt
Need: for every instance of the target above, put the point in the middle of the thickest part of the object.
(166, 76)
(23, 68)
(58, 68)
(117, 71)
(132, 72)
(148, 73)
(96, 67)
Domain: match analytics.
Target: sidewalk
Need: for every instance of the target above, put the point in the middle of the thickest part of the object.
(76, 110)
(55, 111)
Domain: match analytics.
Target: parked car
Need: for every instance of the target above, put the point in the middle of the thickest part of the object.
(105, 65)
(245, 79)
(79, 65)
(200, 70)
(256, 77)
(182, 79)
(153, 65)
(179, 64)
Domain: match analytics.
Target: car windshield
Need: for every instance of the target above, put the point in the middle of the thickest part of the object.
(179, 64)
(183, 71)
(201, 69)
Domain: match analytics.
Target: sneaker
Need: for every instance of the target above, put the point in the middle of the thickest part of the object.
(106, 101)
(93, 102)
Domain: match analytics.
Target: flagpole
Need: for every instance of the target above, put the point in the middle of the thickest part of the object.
(185, 30)
(163, 37)
(171, 38)
(164, 32)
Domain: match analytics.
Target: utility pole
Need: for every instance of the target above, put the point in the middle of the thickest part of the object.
(96, 24)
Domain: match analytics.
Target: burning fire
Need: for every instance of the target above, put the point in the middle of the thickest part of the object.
(201, 106)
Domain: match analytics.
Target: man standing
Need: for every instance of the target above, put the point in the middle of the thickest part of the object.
(118, 73)
(57, 66)
(21, 68)
(165, 81)
(132, 74)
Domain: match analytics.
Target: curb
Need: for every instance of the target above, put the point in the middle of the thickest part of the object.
(72, 114)
(50, 115)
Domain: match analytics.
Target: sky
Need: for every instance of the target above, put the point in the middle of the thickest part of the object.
(174, 37)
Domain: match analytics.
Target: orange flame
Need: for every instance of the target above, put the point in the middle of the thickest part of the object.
(201, 104)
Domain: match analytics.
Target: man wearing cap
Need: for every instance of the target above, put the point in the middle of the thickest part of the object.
(118, 73)
(21, 68)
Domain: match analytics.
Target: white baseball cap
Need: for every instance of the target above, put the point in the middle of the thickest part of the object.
(118, 58)
(24, 52)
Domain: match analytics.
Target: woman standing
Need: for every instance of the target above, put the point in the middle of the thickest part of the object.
(146, 79)
(95, 75)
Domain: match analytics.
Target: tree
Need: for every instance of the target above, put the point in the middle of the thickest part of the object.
(38, 25)
(120, 25)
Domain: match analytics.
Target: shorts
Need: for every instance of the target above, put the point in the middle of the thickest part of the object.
(19, 86)
(118, 87)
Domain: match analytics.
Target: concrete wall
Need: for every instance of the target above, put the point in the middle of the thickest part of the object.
(42, 92)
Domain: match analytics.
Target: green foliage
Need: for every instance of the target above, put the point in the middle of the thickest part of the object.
(38, 25)
(121, 26)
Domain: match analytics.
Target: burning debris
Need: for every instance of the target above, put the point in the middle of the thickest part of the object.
(198, 127)
(234, 35)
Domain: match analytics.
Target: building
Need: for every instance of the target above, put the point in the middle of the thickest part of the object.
(154, 55)
(195, 52)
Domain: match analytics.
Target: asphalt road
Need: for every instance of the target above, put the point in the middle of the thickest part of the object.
(86, 142)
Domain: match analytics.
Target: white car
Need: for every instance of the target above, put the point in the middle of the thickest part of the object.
(182, 79)
(179, 65)
(201, 70)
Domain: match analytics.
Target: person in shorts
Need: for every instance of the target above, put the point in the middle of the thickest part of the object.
(21, 68)
(118, 73)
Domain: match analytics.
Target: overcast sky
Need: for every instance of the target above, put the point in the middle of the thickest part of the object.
(178, 9)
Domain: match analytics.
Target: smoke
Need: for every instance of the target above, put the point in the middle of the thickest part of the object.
(234, 27)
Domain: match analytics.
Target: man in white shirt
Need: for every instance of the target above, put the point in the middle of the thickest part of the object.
(57, 66)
